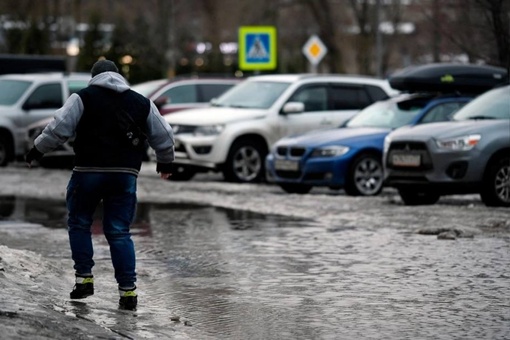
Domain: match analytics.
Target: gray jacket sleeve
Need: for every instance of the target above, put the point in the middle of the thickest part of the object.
(160, 136)
(62, 127)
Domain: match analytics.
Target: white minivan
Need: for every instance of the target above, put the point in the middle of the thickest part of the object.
(234, 134)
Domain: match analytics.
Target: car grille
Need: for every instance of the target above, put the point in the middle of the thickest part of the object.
(180, 148)
(290, 151)
(412, 148)
(408, 146)
(288, 174)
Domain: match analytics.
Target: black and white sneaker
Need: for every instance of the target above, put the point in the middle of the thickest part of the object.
(84, 287)
(128, 298)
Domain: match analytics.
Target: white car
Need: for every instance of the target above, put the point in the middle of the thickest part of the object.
(28, 98)
(234, 135)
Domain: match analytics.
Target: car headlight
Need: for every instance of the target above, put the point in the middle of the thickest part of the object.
(208, 130)
(330, 151)
(462, 143)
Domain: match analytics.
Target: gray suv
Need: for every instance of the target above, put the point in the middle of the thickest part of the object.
(470, 154)
(27, 98)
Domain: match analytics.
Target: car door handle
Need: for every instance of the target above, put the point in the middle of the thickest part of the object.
(326, 122)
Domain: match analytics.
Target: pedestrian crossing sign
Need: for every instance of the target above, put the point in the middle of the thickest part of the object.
(257, 48)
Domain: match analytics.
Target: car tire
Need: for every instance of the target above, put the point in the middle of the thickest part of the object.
(5, 148)
(365, 176)
(413, 196)
(182, 174)
(495, 190)
(245, 162)
(292, 188)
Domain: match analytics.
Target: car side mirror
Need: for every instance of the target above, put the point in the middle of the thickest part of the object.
(293, 107)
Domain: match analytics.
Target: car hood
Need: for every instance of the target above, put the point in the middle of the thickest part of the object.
(344, 136)
(213, 115)
(444, 129)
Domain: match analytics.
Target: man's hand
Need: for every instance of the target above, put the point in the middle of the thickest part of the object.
(164, 170)
(33, 155)
(165, 176)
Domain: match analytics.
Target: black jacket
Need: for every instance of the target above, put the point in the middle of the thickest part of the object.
(101, 135)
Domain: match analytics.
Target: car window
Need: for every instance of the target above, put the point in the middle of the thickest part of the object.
(210, 91)
(76, 85)
(314, 97)
(494, 104)
(442, 112)
(252, 94)
(376, 93)
(385, 114)
(147, 88)
(48, 96)
(181, 94)
(349, 98)
(12, 90)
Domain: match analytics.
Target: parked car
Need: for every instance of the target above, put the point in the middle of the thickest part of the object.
(350, 157)
(184, 93)
(234, 135)
(470, 154)
(28, 98)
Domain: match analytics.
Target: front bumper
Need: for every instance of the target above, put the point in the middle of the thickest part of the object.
(442, 170)
(321, 171)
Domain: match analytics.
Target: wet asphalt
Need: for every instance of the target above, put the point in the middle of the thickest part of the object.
(208, 271)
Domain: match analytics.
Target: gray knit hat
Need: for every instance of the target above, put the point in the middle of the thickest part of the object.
(103, 66)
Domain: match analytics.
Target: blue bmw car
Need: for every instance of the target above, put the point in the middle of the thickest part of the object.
(350, 157)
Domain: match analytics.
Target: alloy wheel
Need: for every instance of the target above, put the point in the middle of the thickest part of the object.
(502, 183)
(368, 176)
(247, 163)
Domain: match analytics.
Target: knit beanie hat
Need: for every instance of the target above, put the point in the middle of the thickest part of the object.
(103, 66)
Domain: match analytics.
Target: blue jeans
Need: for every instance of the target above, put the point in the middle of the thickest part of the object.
(118, 193)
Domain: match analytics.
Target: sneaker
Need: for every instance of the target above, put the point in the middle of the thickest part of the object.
(128, 298)
(84, 287)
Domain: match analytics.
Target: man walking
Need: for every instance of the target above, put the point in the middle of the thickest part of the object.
(110, 123)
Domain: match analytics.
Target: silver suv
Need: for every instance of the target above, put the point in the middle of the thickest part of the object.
(234, 135)
(28, 98)
(471, 154)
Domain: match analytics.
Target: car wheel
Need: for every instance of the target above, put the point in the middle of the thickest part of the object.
(412, 196)
(182, 173)
(245, 162)
(365, 177)
(496, 185)
(295, 188)
(4, 150)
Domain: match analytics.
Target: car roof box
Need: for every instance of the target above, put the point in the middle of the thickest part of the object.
(448, 77)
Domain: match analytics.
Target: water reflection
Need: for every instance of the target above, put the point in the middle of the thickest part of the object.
(53, 214)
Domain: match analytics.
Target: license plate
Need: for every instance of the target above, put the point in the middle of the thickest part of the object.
(406, 160)
(286, 165)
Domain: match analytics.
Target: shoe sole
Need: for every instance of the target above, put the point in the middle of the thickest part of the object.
(80, 297)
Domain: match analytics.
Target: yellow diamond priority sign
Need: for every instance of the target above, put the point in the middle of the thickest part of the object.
(314, 50)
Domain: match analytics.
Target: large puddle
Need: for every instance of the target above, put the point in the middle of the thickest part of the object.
(239, 275)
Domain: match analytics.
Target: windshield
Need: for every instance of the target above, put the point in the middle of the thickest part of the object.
(252, 95)
(386, 114)
(148, 87)
(494, 104)
(12, 90)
